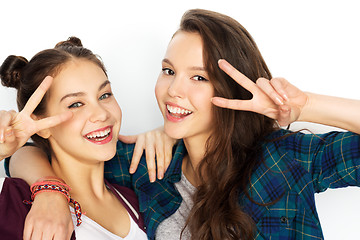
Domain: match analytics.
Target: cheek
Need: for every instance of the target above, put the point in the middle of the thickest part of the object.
(116, 111)
(201, 98)
(161, 88)
(68, 128)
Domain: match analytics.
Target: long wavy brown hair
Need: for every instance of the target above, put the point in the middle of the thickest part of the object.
(232, 151)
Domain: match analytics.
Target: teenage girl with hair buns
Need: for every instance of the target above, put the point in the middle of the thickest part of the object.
(76, 120)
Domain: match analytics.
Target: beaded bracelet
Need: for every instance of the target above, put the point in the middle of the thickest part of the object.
(46, 186)
(49, 186)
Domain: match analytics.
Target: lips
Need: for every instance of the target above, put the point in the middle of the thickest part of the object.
(100, 136)
(176, 113)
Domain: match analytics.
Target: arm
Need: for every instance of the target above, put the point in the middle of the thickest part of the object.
(333, 111)
(49, 215)
(282, 101)
(30, 163)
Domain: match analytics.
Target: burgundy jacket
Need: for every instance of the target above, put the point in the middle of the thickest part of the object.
(13, 211)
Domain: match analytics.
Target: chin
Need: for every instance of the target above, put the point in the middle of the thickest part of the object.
(173, 133)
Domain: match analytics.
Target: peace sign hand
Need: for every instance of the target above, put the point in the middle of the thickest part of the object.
(275, 98)
(17, 128)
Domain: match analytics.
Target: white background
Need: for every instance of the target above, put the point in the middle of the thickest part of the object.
(314, 44)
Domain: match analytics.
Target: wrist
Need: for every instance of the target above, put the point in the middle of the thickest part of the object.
(50, 197)
(307, 108)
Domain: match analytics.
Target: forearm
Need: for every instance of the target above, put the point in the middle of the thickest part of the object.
(30, 163)
(333, 111)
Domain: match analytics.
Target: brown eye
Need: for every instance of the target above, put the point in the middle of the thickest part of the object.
(168, 71)
(199, 78)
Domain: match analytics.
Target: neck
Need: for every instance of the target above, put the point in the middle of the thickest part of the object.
(196, 152)
(84, 179)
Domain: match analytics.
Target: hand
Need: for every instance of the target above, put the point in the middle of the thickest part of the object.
(17, 128)
(275, 98)
(154, 142)
(49, 218)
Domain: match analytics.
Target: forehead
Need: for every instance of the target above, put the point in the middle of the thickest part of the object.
(78, 75)
(187, 47)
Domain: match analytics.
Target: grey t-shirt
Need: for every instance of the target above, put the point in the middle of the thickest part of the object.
(170, 228)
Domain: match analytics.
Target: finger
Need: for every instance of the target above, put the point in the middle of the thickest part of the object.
(267, 88)
(159, 151)
(150, 157)
(36, 234)
(49, 122)
(240, 78)
(47, 235)
(36, 97)
(68, 236)
(167, 154)
(28, 228)
(9, 135)
(128, 139)
(280, 84)
(5, 122)
(61, 234)
(69, 232)
(244, 105)
(284, 116)
(138, 151)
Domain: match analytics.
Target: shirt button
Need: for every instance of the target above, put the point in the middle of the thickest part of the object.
(283, 219)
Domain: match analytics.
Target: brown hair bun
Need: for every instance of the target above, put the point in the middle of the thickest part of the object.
(71, 41)
(11, 71)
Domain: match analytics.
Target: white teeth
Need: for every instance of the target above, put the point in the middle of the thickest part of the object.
(99, 134)
(177, 110)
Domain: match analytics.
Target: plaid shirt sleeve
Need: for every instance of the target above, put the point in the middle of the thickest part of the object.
(297, 165)
(333, 158)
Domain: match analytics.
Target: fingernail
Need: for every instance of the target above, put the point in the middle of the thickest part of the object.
(160, 175)
(279, 101)
(131, 170)
(285, 97)
(152, 178)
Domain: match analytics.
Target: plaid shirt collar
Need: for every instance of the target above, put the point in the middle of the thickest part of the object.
(173, 173)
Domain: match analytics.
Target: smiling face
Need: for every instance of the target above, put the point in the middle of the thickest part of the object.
(183, 89)
(91, 134)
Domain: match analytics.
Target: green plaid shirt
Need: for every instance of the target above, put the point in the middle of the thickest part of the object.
(292, 170)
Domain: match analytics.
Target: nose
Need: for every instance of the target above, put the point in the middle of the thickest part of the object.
(177, 87)
(98, 113)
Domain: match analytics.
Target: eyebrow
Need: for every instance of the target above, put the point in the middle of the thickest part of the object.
(165, 60)
(77, 94)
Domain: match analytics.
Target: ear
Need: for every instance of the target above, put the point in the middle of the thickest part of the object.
(44, 133)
